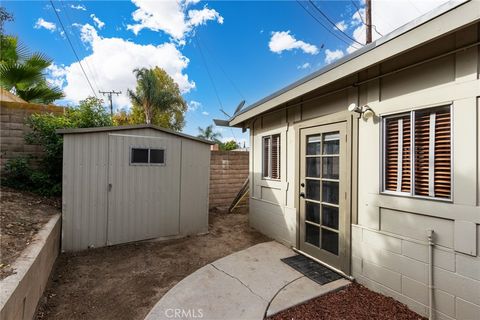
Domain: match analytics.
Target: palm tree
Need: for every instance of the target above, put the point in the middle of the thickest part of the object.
(23, 73)
(152, 93)
(209, 134)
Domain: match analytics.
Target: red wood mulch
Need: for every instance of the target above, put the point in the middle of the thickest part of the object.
(354, 302)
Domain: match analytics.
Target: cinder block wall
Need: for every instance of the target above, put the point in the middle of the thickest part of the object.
(228, 171)
(13, 130)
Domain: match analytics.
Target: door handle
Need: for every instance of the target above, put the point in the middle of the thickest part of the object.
(109, 187)
(302, 185)
(302, 194)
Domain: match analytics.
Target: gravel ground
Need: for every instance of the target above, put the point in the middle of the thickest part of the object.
(22, 215)
(354, 302)
(125, 282)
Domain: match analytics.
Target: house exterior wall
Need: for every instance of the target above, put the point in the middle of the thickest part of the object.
(85, 203)
(389, 239)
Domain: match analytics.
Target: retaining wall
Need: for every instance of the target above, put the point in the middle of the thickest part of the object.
(21, 292)
(228, 171)
(13, 130)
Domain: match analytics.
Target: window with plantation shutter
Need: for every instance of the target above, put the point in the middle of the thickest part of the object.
(271, 157)
(426, 172)
(397, 154)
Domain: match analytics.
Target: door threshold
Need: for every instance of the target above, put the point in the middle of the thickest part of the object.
(340, 272)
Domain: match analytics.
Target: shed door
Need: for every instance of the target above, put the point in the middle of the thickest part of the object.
(323, 213)
(143, 198)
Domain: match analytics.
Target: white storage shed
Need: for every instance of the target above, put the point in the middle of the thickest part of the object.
(131, 183)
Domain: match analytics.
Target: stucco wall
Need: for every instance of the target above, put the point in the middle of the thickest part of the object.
(228, 171)
(388, 245)
(13, 130)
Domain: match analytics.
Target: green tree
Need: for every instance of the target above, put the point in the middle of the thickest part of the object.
(23, 73)
(4, 17)
(209, 134)
(157, 100)
(229, 145)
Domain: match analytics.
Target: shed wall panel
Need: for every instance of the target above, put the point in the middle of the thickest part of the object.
(195, 161)
(85, 164)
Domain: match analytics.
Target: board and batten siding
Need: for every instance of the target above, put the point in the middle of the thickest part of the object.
(181, 187)
(389, 252)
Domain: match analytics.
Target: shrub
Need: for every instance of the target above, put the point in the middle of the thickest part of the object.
(47, 180)
(17, 174)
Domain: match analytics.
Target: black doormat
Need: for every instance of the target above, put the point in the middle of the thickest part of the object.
(311, 269)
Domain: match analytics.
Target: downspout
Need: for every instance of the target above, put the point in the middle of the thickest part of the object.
(430, 273)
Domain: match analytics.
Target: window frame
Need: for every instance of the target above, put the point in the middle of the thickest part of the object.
(383, 127)
(146, 163)
(269, 176)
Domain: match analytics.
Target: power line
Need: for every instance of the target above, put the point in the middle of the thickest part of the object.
(208, 72)
(361, 18)
(70, 21)
(73, 49)
(221, 68)
(333, 23)
(325, 27)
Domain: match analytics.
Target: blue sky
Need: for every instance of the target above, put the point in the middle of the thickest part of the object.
(250, 48)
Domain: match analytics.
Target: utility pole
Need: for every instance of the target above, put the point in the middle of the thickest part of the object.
(368, 22)
(109, 95)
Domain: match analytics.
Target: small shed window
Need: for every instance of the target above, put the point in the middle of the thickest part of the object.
(271, 157)
(139, 155)
(417, 153)
(147, 156)
(157, 156)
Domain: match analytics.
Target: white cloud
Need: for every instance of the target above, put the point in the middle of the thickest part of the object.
(386, 17)
(112, 61)
(99, 23)
(205, 113)
(332, 55)
(41, 23)
(78, 7)
(193, 105)
(171, 17)
(304, 66)
(341, 25)
(200, 17)
(283, 40)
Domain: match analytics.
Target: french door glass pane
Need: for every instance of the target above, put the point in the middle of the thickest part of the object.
(313, 144)
(312, 211)
(313, 167)
(330, 217)
(312, 189)
(330, 167)
(330, 241)
(330, 192)
(331, 143)
(312, 234)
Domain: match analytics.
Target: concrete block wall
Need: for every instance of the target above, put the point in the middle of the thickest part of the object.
(22, 291)
(398, 267)
(228, 171)
(13, 130)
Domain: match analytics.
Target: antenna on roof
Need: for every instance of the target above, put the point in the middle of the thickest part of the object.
(222, 111)
(240, 106)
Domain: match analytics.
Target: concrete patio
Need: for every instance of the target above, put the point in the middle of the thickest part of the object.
(250, 284)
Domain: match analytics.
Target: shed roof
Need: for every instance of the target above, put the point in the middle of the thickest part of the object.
(132, 127)
(398, 41)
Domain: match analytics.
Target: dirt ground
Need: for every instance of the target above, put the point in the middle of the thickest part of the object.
(354, 302)
(22, 215)
(125, 282)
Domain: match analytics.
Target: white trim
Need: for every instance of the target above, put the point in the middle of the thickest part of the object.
(431, 156)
